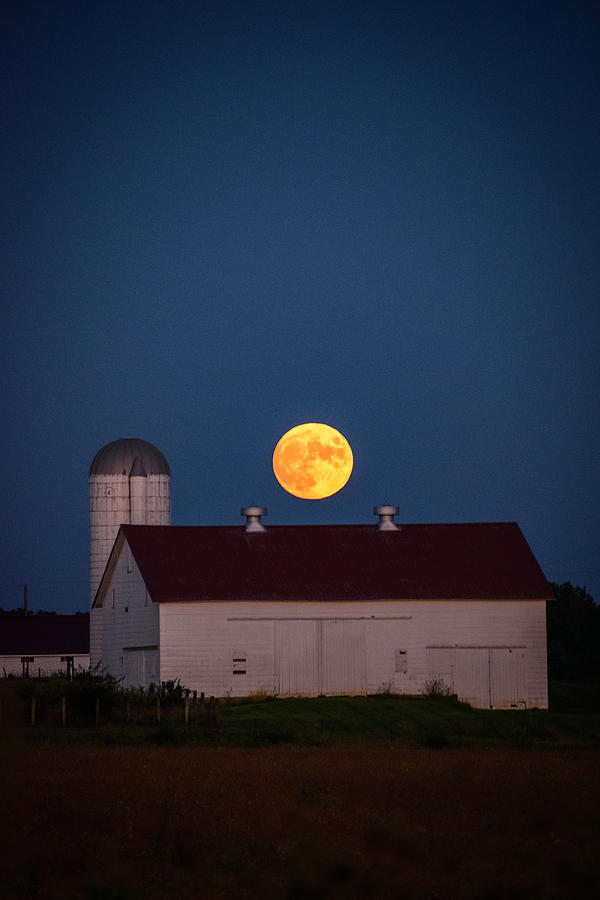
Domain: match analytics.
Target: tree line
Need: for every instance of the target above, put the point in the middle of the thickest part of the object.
(573, 626)
(19, 611)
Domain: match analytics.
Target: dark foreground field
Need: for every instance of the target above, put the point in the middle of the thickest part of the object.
(104, 823)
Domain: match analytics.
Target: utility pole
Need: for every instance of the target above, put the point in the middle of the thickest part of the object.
(24, 599)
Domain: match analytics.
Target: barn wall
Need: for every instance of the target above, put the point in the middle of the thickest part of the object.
(129, 626)
(235, 648)
(95, 637)
(43, 663)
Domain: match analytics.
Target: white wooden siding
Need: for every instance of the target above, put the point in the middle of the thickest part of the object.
(353, 647)
(95, 638)
(133, 624)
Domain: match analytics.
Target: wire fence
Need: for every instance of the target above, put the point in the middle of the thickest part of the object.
(52, 702)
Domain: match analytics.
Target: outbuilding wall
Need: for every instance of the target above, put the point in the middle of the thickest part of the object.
(42, 663)
(491, 653)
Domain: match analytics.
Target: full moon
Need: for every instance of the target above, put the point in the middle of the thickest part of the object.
(312, 461)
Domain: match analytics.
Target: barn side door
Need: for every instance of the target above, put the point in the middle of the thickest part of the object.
(508, 676)
(133, 668)
(140, 667)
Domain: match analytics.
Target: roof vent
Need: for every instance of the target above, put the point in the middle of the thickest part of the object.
(386, 517)
(253, 514)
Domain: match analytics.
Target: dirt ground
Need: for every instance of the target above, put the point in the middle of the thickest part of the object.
(287, 822)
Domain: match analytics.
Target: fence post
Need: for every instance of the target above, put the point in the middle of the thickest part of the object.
(97, 710)
(186, 711)
(33, 710)
(63, 710)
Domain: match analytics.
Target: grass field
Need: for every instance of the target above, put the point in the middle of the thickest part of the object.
(122, 823)
(382, 797)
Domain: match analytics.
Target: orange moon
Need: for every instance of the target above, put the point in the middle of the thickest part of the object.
(312, 461)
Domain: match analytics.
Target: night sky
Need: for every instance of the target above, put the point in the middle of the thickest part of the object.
(222, 219)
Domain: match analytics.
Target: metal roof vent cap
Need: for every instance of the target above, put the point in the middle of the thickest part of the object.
(386, 517)
(253, 514)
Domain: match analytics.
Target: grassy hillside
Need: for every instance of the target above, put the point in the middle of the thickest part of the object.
(421, 721)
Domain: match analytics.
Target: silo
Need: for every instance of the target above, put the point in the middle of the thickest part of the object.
(129, 483)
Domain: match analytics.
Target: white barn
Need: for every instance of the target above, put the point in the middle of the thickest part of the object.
(309, 610)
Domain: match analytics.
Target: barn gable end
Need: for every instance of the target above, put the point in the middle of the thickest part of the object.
(129, 620)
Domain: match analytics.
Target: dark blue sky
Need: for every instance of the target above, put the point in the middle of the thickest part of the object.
(226, 218)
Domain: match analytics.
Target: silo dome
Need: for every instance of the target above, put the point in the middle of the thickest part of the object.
(118, 457)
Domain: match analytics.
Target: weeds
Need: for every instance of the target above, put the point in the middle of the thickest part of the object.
(437, 687)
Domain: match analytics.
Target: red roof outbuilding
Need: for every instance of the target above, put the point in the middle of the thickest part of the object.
(44, 635)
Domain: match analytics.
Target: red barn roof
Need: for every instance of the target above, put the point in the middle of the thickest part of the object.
(489, 561)
(31, 635)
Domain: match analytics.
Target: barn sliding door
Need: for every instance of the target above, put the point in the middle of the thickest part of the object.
(440, 669)
(485, 677)
(320, 656)
(297, 661)
(343, 642)
(472, 675)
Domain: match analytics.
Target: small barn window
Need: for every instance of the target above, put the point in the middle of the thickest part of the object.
(400, 662)
(129, 564)
(114, 599)
(239, 664)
